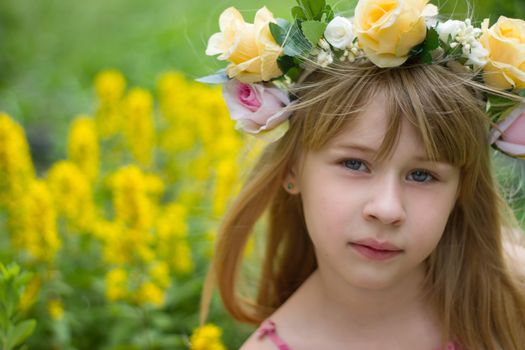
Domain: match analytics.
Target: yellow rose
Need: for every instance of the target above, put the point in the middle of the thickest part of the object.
(388, 29)
(505, 42)
(250, 48)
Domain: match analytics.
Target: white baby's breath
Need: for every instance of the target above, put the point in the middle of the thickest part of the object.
(464, 34)
(325, 58)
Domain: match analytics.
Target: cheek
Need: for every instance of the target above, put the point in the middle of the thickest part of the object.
(428, 221)
(329, 209)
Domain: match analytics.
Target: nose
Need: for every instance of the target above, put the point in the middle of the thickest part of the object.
(385, 203)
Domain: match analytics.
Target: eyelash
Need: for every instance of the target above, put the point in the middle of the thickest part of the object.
(431, 176)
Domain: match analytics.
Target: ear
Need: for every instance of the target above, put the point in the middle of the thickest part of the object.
(290, 182)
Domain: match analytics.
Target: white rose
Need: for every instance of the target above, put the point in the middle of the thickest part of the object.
(339, 32)
(450, 27)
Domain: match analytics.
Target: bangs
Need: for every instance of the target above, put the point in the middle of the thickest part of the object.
(439, 104)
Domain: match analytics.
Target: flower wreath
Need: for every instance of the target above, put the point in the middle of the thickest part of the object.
(269, 55)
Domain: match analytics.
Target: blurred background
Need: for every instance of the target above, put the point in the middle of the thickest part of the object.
(115, 167)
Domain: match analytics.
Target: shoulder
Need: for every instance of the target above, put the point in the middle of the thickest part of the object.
(254, 343)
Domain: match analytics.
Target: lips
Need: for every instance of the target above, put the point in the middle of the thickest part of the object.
(377, 245)
(375, 250)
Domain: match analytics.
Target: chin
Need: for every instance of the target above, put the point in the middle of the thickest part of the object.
(369, 281)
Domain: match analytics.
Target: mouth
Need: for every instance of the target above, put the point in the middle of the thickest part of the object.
(375, 250)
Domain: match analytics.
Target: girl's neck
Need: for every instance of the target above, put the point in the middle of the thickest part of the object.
(363, 318)
(363, 306)
(366, 312)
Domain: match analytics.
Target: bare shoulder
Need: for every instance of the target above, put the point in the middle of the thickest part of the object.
(254, 343)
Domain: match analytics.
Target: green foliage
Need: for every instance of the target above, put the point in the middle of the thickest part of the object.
(279, 30)
(423, 52)
(313, 31)
(309, 9)
(293, 39)
(498, 107)
(13, 329)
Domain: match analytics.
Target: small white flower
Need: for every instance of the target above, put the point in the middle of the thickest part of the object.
(450, 28)
(463, 34)
(325, 58)
(477, 56)
(339, 32)
(324, 44)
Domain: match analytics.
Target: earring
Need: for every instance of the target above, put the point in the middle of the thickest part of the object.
(290, 186)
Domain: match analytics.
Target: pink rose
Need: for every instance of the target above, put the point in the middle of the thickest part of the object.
(510, 135)
(257, 108)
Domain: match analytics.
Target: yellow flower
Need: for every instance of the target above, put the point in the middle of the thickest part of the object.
(55, 308)
(82, 147)
(116, 284)
(110, 85)
(172, 232)
(135, 196)
(33, 223)
(16, 168)
(150, 293)
(505, 42)
(388, 29)
(207, 337)
(139, 129)
(72, 193)
(172, 90)
(160, 274)
(250, 48)
(181, 258)
(226, 185)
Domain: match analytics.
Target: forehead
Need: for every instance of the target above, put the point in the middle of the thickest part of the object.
(375, 128)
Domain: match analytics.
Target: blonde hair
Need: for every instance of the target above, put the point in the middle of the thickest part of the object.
(481, 304)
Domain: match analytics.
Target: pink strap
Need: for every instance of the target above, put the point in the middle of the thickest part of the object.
(267, 328)
(451, 346)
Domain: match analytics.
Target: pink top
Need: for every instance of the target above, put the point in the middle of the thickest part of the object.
(268, 328)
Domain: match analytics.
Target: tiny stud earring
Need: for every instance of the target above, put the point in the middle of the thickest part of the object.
(290, 186)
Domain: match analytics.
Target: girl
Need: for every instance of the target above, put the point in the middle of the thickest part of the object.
(385, 228)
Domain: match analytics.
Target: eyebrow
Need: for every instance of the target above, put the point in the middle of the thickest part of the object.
(369, 150)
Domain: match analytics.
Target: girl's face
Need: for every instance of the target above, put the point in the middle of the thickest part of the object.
(373, 223)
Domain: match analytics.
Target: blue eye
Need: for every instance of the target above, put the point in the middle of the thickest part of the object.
(421, 176)
(355, 164)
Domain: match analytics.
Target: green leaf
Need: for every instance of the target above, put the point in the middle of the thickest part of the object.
(329, 14)
(278, 33)
(426, 57)
(494, 101)
(285, 63)
(312, 9)
(432, 40)
(294, 73)
(317, 7)
(313, 31)
(416, 51)
(521, 93)
(298, 13)
(423, 51)
(219, 77)
(20, 333)
(295, 44)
